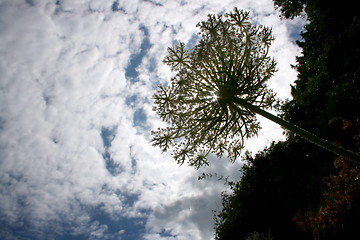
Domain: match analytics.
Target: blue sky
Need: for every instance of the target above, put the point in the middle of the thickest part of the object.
(76, 81)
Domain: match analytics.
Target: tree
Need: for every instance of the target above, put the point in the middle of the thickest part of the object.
(275, 184)
(290, 8)
(338, 215)
(220, 86)
(328, 81)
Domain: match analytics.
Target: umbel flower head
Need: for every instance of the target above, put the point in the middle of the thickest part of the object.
(229, 64)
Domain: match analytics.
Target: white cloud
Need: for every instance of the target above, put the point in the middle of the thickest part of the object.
(63, 80)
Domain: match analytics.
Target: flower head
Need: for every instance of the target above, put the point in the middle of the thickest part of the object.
(230, 61)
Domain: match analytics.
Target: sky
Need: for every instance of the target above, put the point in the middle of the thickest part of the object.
(76, 85)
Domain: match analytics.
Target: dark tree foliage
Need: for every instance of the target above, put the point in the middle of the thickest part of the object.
(291, 8)
(338, 215)
(288, 176)
(328, 84)
(276, 183)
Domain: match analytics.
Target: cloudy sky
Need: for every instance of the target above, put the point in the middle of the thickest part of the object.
(76, 81)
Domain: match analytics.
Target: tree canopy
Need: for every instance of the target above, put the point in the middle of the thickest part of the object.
(275, 184)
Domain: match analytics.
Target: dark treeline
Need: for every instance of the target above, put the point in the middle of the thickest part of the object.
(293, 189)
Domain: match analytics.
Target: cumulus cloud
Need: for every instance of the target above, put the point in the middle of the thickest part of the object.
(76, 80)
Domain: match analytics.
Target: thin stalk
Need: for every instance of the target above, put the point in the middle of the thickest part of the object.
(300, 131)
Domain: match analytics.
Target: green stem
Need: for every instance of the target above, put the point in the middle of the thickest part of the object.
(299, 131)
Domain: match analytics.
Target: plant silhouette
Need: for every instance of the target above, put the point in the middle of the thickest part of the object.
(220, 86)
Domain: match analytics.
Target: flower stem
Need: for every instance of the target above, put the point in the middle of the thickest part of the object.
(300, 131)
